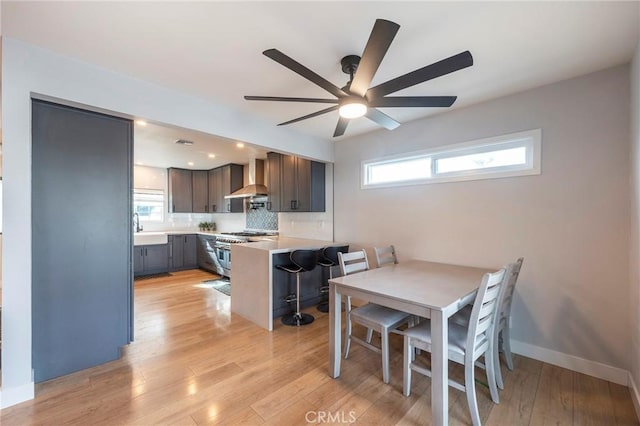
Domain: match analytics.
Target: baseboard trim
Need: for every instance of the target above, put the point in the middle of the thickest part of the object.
(571, 362)
(16, 395)
(635, 394)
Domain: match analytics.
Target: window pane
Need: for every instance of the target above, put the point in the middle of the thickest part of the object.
(402, 170)
(483, 160)
(149, 204)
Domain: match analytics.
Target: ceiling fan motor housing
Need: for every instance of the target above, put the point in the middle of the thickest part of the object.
(350, 64)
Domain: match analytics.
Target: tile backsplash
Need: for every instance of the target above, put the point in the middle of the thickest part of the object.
(261, 218)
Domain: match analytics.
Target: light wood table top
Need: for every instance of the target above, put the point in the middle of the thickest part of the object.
(418, 287)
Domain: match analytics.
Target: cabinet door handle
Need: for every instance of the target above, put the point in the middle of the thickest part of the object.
(214, 207)
(174, 209)
(228, 207)
(145, 252)
(293, 204)
(268, 205)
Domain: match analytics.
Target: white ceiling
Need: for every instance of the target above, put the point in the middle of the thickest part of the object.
(213, 49)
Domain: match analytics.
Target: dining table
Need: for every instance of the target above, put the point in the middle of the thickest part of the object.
(426, 289)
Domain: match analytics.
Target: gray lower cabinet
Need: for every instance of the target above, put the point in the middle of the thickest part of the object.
(183, 251)
(284, 284)
(206, 253)
(151, 259)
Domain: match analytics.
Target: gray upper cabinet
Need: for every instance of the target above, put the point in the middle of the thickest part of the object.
(223, 181)
(232, 180)
(180, 191)
(200, 188)
(302, 184)
(274, 165)
(203, 191)
(215, 191)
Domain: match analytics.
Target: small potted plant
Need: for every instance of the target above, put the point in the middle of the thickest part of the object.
(202, 226)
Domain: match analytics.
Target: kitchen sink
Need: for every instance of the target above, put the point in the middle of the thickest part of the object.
(148, 238)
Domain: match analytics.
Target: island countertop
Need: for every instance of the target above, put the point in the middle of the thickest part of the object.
(252, 275)
(286, 244)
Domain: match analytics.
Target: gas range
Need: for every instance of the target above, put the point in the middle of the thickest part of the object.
(223, 246)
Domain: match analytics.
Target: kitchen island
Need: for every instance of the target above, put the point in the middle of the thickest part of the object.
(255, 280)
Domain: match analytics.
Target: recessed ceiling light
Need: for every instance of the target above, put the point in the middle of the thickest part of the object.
(141, 122)
(212, 156)
(139, 163)
(190, 163)
(240, 145)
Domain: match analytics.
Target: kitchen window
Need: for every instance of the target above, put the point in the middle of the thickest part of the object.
(149, 204)
(515, 154)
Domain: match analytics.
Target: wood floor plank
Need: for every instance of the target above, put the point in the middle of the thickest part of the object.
(517, 398)
(194, 362)
(593, 403)
(623, 408)
(554, 399)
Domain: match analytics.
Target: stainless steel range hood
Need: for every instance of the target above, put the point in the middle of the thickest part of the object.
(256, 187)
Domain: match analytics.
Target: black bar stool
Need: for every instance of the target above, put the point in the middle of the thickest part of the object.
(301, 261)
(329, 259)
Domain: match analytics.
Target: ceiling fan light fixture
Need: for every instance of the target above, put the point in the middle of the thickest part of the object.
(352, 109)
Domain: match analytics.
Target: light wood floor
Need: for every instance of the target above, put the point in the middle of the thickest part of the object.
(195, 363)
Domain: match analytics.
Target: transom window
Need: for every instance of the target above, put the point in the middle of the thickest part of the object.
(516, 154)
(149, 204)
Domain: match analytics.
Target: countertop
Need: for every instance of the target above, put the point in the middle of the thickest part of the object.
(285, 244)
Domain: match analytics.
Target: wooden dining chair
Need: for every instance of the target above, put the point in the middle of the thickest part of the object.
(466, 344)
(502, 332)
(385, 255)
(374, 317)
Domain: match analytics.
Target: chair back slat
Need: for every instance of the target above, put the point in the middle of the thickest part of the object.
(484, 310)
(507, 298)
(386, 255)
(352, 262)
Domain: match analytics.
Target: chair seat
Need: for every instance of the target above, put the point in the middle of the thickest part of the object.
(463, 316)
(422, 333)
(386, 317)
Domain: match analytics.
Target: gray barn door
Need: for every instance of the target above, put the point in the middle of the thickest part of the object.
(82, 284)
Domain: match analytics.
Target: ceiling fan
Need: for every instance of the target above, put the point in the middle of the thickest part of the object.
(357, 99)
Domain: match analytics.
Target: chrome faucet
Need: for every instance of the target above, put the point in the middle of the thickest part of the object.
(136, 222)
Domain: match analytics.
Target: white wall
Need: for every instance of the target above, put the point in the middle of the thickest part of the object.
(28, 70)
(634, 252)
(571, 223)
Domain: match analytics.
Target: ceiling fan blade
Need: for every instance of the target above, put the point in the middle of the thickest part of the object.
(438, 69)
(380, 39)
(285, 99)
(413, 101)
(341, 127)
(382, 119)
(305, 72)
(315, 114)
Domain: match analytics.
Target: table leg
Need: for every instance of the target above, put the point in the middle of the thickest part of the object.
(335, 331)
(439, 368)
